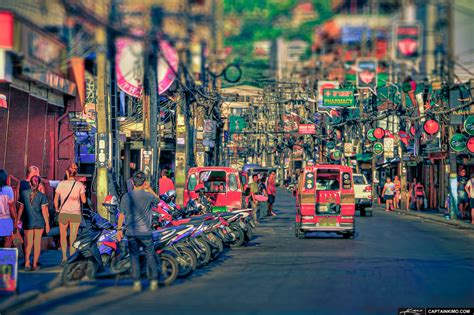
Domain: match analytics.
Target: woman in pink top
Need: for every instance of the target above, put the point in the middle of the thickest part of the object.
(72, 194)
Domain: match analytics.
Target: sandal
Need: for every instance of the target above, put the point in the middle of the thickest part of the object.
(36, 268)
(63, 263)
(27, 268)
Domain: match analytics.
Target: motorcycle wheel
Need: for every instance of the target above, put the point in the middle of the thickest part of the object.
(239, 236)
(169, 269)
(73, 273)
(119, 265)
(248, 234)
(217, 247)
(205, 250)
(189, 264)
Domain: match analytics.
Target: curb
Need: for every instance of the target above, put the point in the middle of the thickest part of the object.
(434, 218)
(16, 300)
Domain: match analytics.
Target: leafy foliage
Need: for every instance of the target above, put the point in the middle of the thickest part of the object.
(266, 20)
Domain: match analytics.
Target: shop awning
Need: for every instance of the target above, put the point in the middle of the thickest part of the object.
(363, 157)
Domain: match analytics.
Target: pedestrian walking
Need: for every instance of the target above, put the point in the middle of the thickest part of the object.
(271, 189)
(165, 183)
(420, 195)
(34, 215)
(388, 193)
(68, 200)
(137, 214)
(253, 196)
(411, 204)
(398, 191)
(31, 171)
(470, 192)
(463, 199)
(8, 214)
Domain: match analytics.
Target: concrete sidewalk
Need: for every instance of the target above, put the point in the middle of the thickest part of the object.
(33, 283)
(438, 216)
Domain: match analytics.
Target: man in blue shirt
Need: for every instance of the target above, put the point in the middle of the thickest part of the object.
(135, 208)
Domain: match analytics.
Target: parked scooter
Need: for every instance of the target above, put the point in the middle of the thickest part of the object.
(97, 251)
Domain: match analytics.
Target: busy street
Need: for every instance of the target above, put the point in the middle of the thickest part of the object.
(395, 261)
(237, 157)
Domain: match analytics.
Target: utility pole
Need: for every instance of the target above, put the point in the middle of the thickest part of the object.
(102, 143)
(182, 120)
(151, 97)
(452, 155)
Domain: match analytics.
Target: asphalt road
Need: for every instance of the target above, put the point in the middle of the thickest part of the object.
(394, 261)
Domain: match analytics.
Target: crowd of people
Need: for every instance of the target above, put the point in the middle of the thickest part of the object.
(31, 213)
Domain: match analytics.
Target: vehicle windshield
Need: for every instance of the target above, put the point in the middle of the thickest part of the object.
(327, 180)
(214, 181)
(359, 180)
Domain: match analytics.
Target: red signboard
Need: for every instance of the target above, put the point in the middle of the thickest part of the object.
(3, 101)
(6, 25)
(306, 129)
(470, 145)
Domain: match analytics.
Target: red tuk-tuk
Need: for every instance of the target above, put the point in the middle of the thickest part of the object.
(223, 187)
(325, 200)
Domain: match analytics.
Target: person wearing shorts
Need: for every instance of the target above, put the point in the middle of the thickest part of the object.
(388, 194)
(271, 189)
(463, 198)
(68, 200)
(419, 195)
(34, 216)
(8, 213)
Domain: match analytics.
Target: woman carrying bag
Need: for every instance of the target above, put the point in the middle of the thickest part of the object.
(72, 195)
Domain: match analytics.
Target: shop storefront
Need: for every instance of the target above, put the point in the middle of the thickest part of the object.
(37, 94)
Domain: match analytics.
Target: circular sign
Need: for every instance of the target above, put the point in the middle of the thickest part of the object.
(458, 142)
(469, 125)
(378, 148)
(130, 69)
(336, 155)
(330, 145)
(470, 145)
(431, 127)
(370, 135)
(379, 133)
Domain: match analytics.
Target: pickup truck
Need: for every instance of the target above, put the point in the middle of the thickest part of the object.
(363, 193)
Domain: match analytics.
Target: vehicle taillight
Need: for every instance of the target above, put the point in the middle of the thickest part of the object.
(368, 189)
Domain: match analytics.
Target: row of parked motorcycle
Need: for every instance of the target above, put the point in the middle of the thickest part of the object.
(184, 239)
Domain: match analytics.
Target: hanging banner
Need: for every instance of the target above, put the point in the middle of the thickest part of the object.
(366, 78)
(470, 145)
(307, 129)
(458, 142)
(3, 101)
(370, 135)
(469, 125)
(338, 98)
(378, 148)
(388, 148)
(431, 127)
(407, 45)
(324, 85)
(130, 69)
(348, 149)
(379, 133)
(336, 155)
